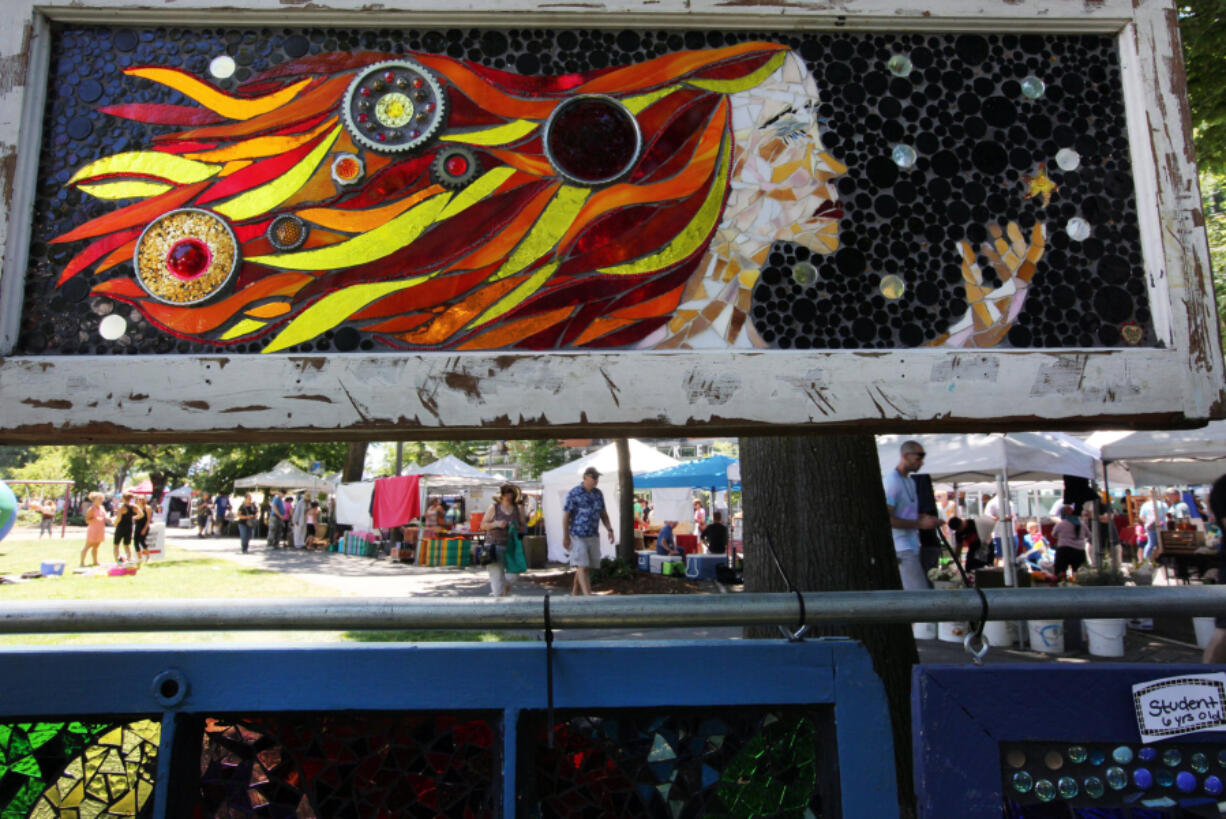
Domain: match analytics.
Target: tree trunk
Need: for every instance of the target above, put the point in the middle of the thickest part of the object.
(625, 510)
(819, 500)
(355, 461)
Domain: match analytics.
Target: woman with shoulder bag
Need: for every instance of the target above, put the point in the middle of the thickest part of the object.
(504, 523)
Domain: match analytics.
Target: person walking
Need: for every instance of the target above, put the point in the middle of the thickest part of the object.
(248, 513)
(502, 515)
(902, 504)
(95, 527)
(582, 514)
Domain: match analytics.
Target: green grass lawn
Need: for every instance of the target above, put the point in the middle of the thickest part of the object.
(182, 575)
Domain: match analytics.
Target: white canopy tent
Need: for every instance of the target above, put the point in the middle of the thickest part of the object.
(557, 482)
(1167, 457)
(285, 476)
(1021, 456)
(1028, 456)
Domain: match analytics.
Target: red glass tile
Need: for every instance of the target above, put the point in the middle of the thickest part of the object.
(462, 112)
(393, 182)
(677, 139)
(162, 114)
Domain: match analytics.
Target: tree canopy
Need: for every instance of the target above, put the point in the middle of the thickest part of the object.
(1202, 25)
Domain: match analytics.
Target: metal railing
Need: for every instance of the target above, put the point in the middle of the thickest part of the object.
(820, 608)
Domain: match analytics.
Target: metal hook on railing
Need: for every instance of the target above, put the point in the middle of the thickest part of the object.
(968, 643)
(797, 636)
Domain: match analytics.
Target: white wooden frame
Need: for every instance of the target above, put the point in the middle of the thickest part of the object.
(448, 395)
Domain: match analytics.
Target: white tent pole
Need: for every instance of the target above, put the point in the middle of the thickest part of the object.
(1007, 551)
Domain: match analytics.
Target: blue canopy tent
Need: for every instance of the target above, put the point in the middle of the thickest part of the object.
(705, 473)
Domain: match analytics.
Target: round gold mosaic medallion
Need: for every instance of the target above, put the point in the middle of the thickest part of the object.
(186, 256)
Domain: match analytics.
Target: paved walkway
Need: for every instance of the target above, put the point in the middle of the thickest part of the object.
(370, 577)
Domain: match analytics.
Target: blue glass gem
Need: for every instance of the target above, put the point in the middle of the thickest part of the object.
(1067, 787)
(1116, 778)
(1221, 758)
(904, 156)
(1142, 778)
(1098, 756)
(1186, 781)
(1122, 755)
(1213, 785)
(1171, 757)
(1164, 778)
(1045, 790)
(1093, 786)
(1147, 754)
(1022, 782)
(1199, 762)
(1077, 754)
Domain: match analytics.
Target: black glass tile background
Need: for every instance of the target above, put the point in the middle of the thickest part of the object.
(961, 108)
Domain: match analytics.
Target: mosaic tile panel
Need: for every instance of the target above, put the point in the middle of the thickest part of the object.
(1168, 780)
(93, 769)
(284, 190)
(747, 762)
(315, 766)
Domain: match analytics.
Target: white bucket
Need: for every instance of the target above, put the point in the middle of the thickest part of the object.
(1204, 630)
(1106, 637)
(951, 632)
(1046, 636)
(924, 631)
(998, 633)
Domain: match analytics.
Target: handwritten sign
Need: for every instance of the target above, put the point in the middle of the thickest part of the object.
(1180, 705)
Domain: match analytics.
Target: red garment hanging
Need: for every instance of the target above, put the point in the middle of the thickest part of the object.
(395, 501)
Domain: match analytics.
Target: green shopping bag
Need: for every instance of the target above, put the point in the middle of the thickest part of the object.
(516, 562)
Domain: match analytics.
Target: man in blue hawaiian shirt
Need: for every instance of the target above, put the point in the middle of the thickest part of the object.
(582, 515)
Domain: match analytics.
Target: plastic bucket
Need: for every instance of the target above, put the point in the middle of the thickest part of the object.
(998, 632)
(951, 632)
(1046, 636)
(1106, 637)
(1204, 630)
(476, 518)
(924, 631)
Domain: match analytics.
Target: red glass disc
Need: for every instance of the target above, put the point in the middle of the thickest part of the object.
(593, 139)
(188, 258)
(456, 165)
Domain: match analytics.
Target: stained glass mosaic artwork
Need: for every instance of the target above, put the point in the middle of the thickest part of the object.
(78, 769)
(1043, 780)
(284, 190)
(748, 762)
(310, 766)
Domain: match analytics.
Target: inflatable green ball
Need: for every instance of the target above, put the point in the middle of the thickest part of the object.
(8, 509)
